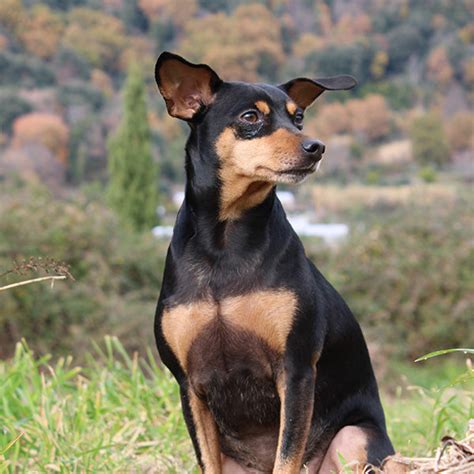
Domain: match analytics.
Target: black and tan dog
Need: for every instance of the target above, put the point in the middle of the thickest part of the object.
(273, 368)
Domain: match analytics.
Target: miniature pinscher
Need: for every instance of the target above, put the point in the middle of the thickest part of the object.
(273, 369)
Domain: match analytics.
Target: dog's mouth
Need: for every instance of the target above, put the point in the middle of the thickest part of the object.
(298, 171)
(295, 175)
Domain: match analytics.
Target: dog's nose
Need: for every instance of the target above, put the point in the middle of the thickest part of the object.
(313, 147)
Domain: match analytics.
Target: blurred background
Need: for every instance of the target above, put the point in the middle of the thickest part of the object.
(90, 162)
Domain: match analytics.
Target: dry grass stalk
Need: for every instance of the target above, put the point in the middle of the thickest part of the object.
(452, 457)
(37, 264)
(52, 278)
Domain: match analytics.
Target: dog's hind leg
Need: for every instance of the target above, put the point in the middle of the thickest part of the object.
(355, 448)
(203, 431)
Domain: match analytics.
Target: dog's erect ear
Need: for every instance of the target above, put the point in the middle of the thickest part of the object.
(186, 87)
(304, 91)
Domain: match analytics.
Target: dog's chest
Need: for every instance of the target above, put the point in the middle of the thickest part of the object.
(226, 333)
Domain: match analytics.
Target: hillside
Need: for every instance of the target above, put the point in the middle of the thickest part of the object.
(63, 63)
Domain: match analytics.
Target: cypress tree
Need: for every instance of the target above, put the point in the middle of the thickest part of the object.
(132, 189)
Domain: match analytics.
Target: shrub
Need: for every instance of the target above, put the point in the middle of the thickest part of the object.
(403, 41)
(399, 95)
(427, 174)
(12, 106)
(408, 277)
(27, 71)
(460, 131)
(96, 36)
(117, 275)
(354, 59)
(70, 65)
(428, 139)
(80, 93)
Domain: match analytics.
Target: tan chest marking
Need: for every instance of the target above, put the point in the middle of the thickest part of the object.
(181, 325)
(267, 314)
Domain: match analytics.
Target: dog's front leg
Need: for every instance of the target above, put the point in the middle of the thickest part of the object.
(296, 390)
(203, 431)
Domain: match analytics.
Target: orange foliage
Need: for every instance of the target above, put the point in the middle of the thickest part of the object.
(460, 131)
(439, 68)
(12, 14)
(370, 117)
(102, 81)
(46, 129)
(178, 12)
(237, 46)
(141, 51)
(95, 35)
(331, 119)
(307, 43)
(41, 32)
(349, 28)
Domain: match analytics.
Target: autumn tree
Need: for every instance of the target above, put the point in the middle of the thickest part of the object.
(132, 188)
(42, 128)
(460, 131)
(12, 14)
(41, 32)
(369, 117)
(242, 46)
(428, 140)
(330, 119)
(439, 67)
(179, 13)
(96, 36)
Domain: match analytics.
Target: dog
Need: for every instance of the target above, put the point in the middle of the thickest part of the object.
(273, 369)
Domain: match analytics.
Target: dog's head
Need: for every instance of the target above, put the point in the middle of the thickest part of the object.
(255, 130)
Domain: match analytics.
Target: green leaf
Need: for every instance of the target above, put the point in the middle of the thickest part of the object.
(444, 351)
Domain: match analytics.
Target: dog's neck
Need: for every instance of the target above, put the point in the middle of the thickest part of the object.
(203, 205)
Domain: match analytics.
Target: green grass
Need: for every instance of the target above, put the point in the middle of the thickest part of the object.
(123, 414)
(117, 414)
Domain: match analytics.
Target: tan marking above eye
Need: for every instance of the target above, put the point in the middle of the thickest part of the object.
(291, 107)
(266, 313)
(263, 107)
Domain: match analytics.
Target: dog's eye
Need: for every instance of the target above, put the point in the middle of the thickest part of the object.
(250, 116)
(298, 119)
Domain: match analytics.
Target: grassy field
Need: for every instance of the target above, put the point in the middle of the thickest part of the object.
(122, 414)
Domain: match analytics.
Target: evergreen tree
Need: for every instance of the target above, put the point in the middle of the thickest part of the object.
(132, 189)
